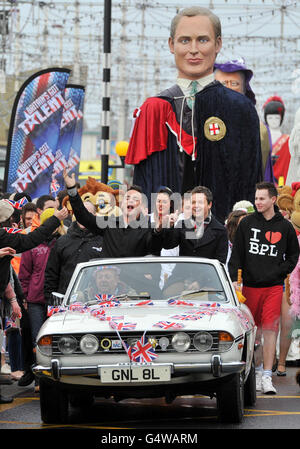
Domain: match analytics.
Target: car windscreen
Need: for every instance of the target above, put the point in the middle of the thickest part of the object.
(149, 281)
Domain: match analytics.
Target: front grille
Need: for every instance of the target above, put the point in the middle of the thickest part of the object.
(129, 336)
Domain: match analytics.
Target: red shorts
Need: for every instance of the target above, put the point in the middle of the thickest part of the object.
(265, 305)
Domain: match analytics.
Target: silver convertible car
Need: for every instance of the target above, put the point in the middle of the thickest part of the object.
(147, 327)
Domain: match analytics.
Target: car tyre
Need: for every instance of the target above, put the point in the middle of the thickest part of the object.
(230, 399)
(54, 403)
(250, 387)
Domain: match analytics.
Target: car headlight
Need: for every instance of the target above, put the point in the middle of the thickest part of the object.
(181, 342)
(45, 345)
(225, 341)
(89, 344)
(67, 344)
(203, 341)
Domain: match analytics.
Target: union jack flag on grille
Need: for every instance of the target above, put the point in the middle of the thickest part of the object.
(13, 230)
(168, 325)
(143, 351)
(179, 302)
(122, 326)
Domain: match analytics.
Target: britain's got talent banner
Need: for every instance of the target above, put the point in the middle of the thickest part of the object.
(34, 132)
(69, 142)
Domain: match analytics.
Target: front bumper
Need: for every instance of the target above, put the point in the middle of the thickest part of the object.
(215, 367)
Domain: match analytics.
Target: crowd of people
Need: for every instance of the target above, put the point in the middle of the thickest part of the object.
(41, 244)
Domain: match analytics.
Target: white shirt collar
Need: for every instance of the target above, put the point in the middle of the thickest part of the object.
(184, 83)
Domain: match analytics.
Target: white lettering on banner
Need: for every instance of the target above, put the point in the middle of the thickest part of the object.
(60, 162)
(41, 115)
(32, 167)
(262, 249)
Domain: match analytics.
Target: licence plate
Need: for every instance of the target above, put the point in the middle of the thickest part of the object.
(135, 374)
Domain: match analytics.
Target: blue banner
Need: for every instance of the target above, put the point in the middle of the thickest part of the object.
(69, 143)
(34, 132)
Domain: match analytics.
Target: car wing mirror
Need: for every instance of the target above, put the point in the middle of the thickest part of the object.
(57, 298)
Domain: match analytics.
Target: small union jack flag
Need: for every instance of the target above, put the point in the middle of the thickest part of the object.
(97, 312)
(13, 230)
(107, 301)
(186, 317)
(168, 325)
(179, 302)
(77, 307)
(55, 309)
(144, 303)
(111, 318)
(17, 204)
(122, 326)
(143, 351)
(54, 186)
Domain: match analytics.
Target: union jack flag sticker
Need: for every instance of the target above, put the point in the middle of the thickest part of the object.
(107, 301)
(168, 325)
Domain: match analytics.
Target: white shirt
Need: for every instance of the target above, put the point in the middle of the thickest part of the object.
(185, 84)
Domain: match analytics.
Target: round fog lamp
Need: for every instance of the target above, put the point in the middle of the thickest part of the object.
(163, 343)
(89, 344)
(181, 342)
(67, 344)
(203, 341)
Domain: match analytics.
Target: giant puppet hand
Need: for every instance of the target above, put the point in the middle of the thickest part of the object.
(69, 180)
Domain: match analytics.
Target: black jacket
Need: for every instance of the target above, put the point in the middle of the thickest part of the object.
(78, 245)
(21, 243)
(266, 250)
(137, 239)
(213, 244)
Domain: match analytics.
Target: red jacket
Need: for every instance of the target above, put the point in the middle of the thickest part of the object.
(32, 271)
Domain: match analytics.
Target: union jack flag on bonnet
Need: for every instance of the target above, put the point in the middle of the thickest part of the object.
(179, 302)
(122, 326)
(168, 325)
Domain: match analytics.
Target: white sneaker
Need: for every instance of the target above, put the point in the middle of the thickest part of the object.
(266, 385)
(5, 369)
(258, 376)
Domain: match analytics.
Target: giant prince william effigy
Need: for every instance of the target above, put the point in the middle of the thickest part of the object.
(197, 132)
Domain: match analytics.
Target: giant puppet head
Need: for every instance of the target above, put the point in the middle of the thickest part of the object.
(105, 198)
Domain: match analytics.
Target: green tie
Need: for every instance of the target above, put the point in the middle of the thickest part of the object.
(193, 91)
